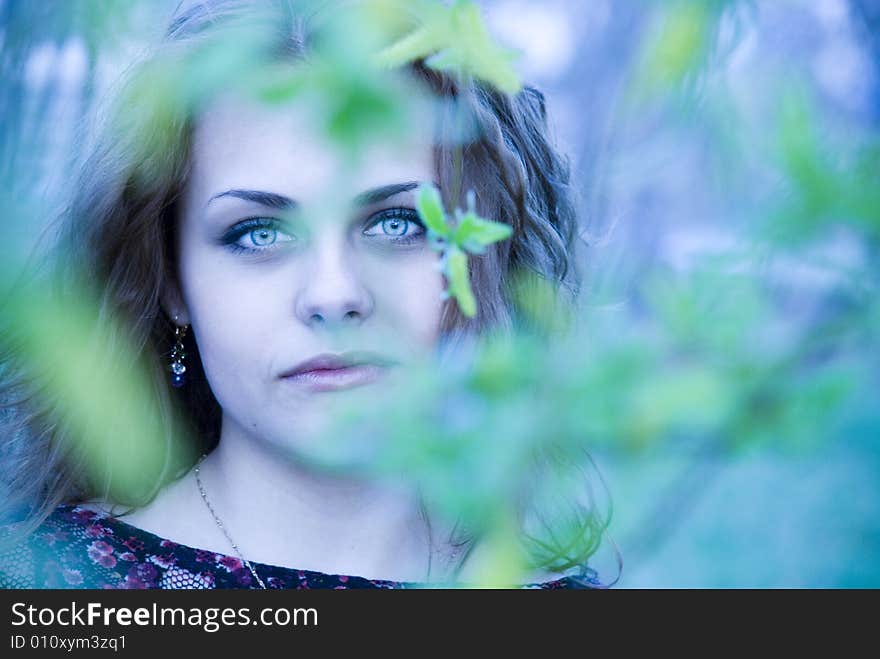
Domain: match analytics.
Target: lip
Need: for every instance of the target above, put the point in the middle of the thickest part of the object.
(331, 372)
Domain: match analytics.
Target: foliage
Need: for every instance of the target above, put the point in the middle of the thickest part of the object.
(470, 233)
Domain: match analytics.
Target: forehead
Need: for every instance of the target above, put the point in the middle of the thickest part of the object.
(241, 144)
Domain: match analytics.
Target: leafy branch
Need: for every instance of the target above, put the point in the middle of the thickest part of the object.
(470, 233)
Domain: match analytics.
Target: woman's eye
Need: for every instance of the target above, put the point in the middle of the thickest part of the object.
(398, 225)
(258, 234)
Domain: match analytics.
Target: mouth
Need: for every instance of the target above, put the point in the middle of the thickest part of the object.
(334, 379)
(330, 372)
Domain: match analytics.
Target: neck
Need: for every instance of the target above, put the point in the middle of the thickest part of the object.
(282, 512)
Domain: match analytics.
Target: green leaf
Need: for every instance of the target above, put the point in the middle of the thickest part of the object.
(98, 384)
(474, 233)
(459, 282)
(679, 44)
(477, 54)
(278, 84)
(416, 45)
(455, 39)
(430, 208)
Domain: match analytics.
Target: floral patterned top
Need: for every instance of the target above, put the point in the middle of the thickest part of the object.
(80, 548)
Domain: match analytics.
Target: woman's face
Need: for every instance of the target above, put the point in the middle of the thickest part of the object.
(287, 253)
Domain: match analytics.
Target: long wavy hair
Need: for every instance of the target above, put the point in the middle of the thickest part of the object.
(120, 230)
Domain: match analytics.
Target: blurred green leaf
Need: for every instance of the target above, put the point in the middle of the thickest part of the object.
(97, 388)
(455, 39)
(682, 40)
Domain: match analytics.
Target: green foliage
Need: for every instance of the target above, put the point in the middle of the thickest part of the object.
(430, 208)
(471, 233)
(454, 38)
(827, 190)
(82, 361)
(679, 46)
(459, 281)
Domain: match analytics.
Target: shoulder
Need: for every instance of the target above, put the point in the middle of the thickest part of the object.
(74, 547)
(25, 555)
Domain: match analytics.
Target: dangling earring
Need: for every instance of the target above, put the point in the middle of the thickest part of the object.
(177, 354)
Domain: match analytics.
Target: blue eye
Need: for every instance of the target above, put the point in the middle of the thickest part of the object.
(257, 234)
(397, 225)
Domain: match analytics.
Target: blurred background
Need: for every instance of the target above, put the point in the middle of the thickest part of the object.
(727, 164)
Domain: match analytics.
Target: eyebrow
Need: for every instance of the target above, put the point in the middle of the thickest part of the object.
(273, 200)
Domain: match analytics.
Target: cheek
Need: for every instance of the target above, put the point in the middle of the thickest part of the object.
(415, 301)
(227, 321)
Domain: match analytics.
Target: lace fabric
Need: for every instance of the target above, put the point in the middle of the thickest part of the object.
(80, 548)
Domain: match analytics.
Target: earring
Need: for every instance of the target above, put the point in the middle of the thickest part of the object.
(177, 354)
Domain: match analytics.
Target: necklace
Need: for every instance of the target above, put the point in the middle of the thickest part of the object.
(250, 567)
(220, 524)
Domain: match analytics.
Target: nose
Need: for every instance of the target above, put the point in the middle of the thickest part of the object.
(333, 292)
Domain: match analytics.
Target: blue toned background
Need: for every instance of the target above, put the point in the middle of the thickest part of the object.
(652, 197)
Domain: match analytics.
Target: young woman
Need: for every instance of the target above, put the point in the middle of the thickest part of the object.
(264, 277)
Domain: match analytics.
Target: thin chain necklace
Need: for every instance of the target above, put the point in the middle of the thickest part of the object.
(223, 528)
(238, 551)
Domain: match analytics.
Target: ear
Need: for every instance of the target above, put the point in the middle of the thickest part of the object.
(172, 303)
